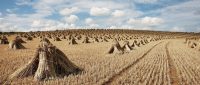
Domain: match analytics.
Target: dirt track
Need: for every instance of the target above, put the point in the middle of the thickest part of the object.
(114, 77)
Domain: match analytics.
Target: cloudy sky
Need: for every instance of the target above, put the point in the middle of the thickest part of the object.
(161, 15)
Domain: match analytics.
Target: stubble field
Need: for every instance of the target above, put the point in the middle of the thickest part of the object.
(168, 61)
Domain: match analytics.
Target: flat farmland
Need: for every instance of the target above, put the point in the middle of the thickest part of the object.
(166, 61)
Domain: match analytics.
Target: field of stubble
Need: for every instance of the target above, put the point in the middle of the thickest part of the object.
(162, 62)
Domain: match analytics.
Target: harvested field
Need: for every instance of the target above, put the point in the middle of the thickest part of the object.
(156, 58)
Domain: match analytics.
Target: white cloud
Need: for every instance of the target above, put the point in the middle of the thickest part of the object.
(94, 25)
(96, 11)
(110, 4)
(150, 21)
(133, 21)
(39, 20)
(112, 27)
(68, 11)
(119, 20)
(3, 26)
(177, 29)
(52, 2)
(46, 25)
(36, 23)
(71, 19)
(146, 1)
(130, 27)
(23, 2)
(42, 23)
(118, 13)
(181, 16)
(9, 27)
(45, 8)
(89, 21)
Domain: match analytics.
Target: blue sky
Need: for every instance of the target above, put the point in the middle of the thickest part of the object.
(160, 15)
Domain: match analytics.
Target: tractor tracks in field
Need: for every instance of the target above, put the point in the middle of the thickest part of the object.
(172, 69)
(116, 76)
(4, 82)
